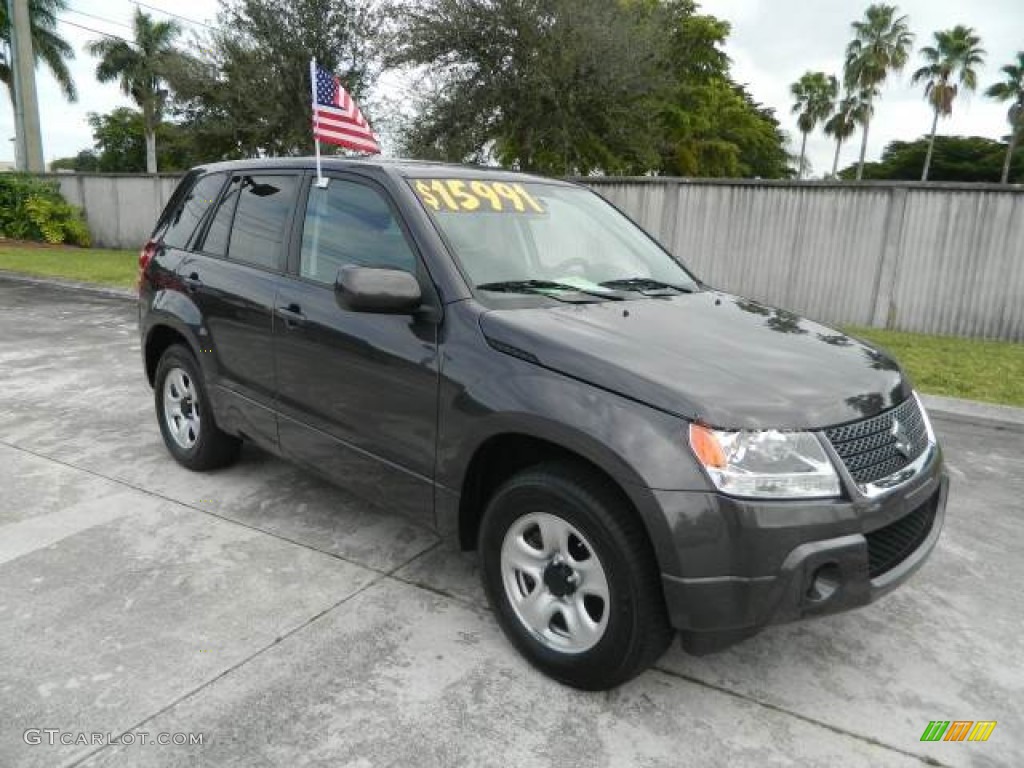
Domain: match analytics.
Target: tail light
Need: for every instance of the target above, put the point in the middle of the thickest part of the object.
(145, 257)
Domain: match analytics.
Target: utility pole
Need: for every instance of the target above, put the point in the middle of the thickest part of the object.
(26, 105)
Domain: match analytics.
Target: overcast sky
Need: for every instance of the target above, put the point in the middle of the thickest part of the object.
(773, 42)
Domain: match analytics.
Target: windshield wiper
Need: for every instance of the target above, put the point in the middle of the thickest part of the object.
(646, 286)
(544, 288)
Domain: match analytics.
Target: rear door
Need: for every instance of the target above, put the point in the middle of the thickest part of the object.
(232, 275)
(357, 392)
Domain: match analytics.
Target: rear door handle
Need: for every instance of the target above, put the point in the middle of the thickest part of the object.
(193, 283)
(292, 315)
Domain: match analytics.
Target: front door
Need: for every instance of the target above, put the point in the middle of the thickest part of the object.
(357, 392)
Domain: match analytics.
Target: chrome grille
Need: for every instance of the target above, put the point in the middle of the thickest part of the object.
(868, 448)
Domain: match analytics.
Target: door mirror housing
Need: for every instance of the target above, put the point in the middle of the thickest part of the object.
(381, 291)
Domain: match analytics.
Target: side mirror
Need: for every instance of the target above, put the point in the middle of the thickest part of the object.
(383, 291)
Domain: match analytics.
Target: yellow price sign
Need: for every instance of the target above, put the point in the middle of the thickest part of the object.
(469, 195)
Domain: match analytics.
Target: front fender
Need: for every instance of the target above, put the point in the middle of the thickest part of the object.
(486, 393)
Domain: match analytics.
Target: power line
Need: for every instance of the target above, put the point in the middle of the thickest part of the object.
(173, 15)
(99, 18)
(94, 30)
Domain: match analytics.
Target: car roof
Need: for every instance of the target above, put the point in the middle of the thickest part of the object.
(404, 168)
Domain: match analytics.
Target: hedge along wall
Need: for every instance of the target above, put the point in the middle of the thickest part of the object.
(32, 208)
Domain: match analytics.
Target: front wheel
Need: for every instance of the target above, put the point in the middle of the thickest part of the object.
(571, 575)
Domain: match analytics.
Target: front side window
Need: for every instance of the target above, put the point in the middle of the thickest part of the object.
(350, 223)
(534, 237)
(261, 219)
(183, 221)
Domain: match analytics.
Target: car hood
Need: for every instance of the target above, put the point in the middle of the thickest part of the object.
(720, 359)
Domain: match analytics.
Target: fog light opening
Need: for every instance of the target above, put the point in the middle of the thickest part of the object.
(824, 583)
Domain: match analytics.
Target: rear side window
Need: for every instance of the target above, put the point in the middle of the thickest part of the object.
(350, 223)
(264, 208)
(190, 210)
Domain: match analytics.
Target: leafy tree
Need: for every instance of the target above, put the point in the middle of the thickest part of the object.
(1011, 89)
(708, 125)
(854, 109)
(956, 54)
(954, 158)
(560, 86)
(47, 45)
(141, 68)
(582, 87)
(85, 161)
(881, 44)
(814, 97)
(245, 91)
(120, 146)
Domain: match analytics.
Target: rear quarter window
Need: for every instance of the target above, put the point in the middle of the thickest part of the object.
(190, 209)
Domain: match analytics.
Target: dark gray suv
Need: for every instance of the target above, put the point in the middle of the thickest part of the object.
(512, 361)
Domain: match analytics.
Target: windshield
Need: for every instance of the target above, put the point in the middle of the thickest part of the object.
(548, 239)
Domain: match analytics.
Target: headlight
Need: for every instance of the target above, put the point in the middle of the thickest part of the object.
(765, 464)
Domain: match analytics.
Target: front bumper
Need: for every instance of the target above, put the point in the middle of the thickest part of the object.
(747, 564)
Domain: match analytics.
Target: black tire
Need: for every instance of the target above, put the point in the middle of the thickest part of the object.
(212, 448)
(637, 630)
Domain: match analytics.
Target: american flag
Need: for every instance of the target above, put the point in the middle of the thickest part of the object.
(336, 118)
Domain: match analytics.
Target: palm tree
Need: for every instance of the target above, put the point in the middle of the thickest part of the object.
(854, 109)
(47, 45)
(956, 54)
(881, 44)
(1012, 90)
(141, 67)
(815, 94)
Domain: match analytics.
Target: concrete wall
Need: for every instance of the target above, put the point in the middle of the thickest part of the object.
(934, 258)
(121, 208)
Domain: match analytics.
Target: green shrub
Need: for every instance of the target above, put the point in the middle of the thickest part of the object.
(34, 209)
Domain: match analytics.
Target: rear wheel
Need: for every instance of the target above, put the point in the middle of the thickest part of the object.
(572, 578)
(186, 420)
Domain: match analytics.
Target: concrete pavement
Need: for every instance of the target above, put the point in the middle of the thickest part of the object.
(292, 624)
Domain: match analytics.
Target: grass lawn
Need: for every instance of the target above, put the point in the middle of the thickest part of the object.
(89, 265)
(992, 371)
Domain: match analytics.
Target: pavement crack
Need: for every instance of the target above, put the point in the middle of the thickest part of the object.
(217, 515)
(224, 673)
(380, 577)
(926, 760)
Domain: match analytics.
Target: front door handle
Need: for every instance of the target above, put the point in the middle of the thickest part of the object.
(292, 315)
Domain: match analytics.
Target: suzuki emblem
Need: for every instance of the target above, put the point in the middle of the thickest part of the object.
(901, 438)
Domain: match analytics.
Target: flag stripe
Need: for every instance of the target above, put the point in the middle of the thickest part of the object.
(335, 120)
(350, 114)
(364, 145)
(345, 130)
(341, 130)
(343, 133)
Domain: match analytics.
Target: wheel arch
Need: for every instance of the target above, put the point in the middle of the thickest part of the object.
(504, 453)
(162, 334)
